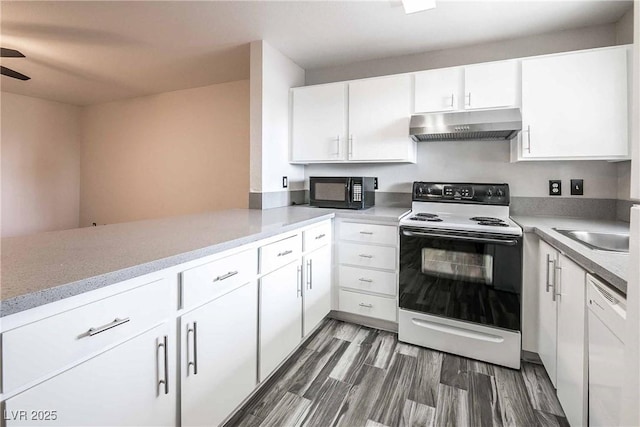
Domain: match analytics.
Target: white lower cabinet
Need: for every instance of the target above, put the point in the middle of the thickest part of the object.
(562, 330)
(219, 356)
(280, 316)
(368, 269)
(547, 309)
(317, 287)
(572, 377)
(129, 385)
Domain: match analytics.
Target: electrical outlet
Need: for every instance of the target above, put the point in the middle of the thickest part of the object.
(577, 187)
(285, 182)
(555, 187)
(375, 183)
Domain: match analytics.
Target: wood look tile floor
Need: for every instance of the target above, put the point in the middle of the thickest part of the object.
(349, 375)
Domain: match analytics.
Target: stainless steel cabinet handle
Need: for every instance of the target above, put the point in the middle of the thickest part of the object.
(365, 256)
(451, 100)
(193, 362)
(350, 145)
(116, 322)
(528, 139)
(225, 276)
(362, 279)
(285, 253)
(299, 281)
(366, 232)
(469, 96)
(310, 274)
(548, 271)
(320, 236)
(338, 145)
(552, 286)
(557, 282)
(365, 305)
(165, 357)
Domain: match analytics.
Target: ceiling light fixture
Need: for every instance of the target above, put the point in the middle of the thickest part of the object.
(413, 6)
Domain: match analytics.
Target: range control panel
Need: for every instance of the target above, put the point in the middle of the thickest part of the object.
(485, 194)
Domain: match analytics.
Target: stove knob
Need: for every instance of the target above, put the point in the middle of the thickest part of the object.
(489, 193)
(500, 193)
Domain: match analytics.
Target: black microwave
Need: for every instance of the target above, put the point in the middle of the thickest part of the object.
(348, 192)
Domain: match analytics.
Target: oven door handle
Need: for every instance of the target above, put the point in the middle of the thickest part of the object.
(506, 242)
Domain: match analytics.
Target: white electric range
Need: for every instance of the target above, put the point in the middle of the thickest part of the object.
(461, 272)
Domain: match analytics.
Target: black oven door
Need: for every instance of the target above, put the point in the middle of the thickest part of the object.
(472, 277)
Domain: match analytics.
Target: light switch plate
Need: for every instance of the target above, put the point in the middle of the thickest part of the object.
(555, 187)
(577, 187)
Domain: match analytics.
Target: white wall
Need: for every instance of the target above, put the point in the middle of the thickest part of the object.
(482, 161)
(170, 154)
(40, 165)
(272, 74)
(562, 41)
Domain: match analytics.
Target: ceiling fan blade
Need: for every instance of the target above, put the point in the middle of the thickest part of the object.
(10, 53)
(10, 73)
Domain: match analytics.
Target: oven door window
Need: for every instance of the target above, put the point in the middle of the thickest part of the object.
(463, 280)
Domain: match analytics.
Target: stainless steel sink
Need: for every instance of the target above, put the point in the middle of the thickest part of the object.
(615, 242)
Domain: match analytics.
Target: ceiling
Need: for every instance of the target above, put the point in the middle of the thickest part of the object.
(98, 51)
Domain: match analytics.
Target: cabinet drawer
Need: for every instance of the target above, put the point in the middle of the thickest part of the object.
(381, 282)
(317, 236)
(369, 233)
(208, 281)
(282, 252)
(367, 256)
(36, 349)
(368, 305)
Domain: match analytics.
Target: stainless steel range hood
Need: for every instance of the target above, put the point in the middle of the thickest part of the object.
(499, 124)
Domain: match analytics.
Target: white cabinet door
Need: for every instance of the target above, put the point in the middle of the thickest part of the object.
(491, 85)
(575, 105)
(219, 356)
(571, 369)
(319, 123)
(438, 90)
(119, 387)
(280, 316)
(379, 113)
(547, 309)
(317, 289)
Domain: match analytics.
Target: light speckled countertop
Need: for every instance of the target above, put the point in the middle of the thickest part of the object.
(47, 267)
(610, 266)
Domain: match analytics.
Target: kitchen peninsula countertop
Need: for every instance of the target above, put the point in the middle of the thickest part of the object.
(610, 266)
(47, 267)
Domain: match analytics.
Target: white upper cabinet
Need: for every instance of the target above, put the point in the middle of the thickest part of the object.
(319, 123)
(439, 90)
(575, 106)
(361, 121)
(379, 113)
(491, 85)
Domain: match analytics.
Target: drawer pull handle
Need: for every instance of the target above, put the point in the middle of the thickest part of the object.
(365, 256)
(225, 276)
(362, 279)
(365, 305)
(165, 356)
(320, 236)
(116, 322)
(285, 253)
(366, 232)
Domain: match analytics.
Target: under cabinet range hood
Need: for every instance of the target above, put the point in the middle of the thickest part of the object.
(498, 124)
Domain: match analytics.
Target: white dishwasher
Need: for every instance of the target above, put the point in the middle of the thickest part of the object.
(607, 316)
